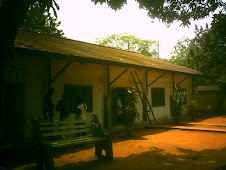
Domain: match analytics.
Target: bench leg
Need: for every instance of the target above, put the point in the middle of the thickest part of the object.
(49, 164)
(98, 149)
(104, 145)
(108, 148)
(44, 159)
(40, 164)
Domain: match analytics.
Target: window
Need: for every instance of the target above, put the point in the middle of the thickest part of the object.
(158, 97)
(77, 94)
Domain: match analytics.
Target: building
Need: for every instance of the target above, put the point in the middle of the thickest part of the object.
(98, 74)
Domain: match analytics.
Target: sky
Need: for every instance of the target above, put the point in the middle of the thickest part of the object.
(84, 21)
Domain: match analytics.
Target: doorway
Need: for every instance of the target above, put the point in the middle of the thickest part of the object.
(14, 112)
(119, 99)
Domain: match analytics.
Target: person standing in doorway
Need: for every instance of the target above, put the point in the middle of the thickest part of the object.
(120, 112)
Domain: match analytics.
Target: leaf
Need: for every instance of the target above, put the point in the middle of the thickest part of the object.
(56, 5)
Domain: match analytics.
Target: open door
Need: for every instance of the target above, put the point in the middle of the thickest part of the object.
(119, 99)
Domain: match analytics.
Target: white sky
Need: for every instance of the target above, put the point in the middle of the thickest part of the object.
(83, 20)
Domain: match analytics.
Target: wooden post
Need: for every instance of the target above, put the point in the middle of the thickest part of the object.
(144, 98)
(108, 80)
(107, 101)
(147, 82)
(173, 82)
(49, 72)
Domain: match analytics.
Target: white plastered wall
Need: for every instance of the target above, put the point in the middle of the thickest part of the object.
(80, 74)
(166, 82)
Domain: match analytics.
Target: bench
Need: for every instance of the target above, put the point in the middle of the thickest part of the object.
(57, 134)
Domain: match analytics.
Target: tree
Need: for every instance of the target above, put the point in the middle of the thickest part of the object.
(180, 54)
(41, 21)
(12, 15)
(209, 48)
(172, 10)
(129, 42)
(206, 52)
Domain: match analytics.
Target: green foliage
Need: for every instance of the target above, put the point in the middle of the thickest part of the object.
(47, 4)
(179, 100)
(210, 49)
(179, 95)
(206, 52)
(125, 41)
(180, 54)
(131, 111)
(41, 21)
(170, 10)
(165, 10)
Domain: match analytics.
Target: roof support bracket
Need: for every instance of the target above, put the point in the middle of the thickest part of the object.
(118, 76)
(61, 71)
(182, 80)
(156, 79)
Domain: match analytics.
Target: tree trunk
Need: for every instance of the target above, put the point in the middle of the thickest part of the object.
(12, 14)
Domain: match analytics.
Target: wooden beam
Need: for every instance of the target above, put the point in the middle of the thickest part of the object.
(61, 71)
(108, 112)
(146, 79)
(145, 116)
(108, 80)
(49, 71)
(156, 79)
(182, 80)
(118, 77)
(173, 82)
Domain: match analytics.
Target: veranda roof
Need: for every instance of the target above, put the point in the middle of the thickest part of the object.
(87, 52)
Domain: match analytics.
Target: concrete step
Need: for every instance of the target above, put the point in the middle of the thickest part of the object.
(194, 128)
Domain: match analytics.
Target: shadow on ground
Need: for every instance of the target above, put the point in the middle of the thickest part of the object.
(153, 159)
(24, 154)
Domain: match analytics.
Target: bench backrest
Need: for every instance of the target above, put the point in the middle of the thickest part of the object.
(61, 130)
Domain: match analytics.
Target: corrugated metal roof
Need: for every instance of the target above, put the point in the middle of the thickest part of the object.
(42, 42)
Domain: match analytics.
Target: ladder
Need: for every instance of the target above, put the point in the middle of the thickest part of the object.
(142, 91)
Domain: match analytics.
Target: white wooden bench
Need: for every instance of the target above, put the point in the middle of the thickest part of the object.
(57, 134)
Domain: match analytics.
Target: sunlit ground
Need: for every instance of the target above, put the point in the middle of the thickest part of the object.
(149, 149)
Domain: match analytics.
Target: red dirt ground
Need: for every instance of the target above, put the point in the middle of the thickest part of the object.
(149, 149)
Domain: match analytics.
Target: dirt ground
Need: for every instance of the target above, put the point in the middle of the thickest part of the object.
(148, 149)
